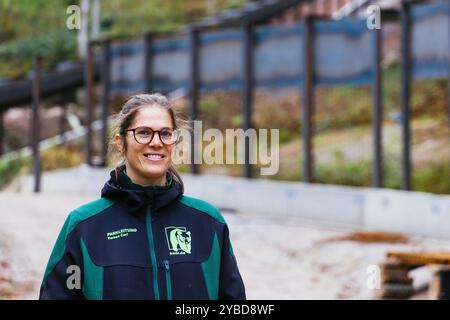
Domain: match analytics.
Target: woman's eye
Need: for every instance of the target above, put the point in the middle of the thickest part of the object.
(144, 132)
(166, 134)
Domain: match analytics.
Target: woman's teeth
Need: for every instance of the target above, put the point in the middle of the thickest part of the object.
(154, 156)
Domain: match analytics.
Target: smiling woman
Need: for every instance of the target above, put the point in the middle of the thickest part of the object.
(144, 239)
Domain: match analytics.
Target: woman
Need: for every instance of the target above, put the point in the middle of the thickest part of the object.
(143, 239)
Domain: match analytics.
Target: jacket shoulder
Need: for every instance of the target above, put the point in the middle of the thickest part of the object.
(87, 211)
(75, 217)
(203, 206)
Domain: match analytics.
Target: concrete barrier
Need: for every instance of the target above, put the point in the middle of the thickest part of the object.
(414, 213)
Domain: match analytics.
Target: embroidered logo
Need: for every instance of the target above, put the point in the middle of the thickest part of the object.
(120, 233)
(179, 240)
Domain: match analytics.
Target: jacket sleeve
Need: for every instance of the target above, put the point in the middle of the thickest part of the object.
(231, 286)
(63, 275)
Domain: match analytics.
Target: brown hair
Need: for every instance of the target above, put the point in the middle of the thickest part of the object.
(127, 115)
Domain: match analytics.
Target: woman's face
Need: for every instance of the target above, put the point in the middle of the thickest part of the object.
(148, 163)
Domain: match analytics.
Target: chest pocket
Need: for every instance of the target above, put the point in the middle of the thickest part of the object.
(184, 245)
(122, 269)
(123, 246)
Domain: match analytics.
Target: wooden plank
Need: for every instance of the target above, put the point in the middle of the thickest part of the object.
(396, 277)
(395, 291)
(420, 258)
(392, 264)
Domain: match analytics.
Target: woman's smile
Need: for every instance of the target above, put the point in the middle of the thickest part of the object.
(154, 157)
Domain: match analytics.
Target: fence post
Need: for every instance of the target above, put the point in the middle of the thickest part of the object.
(377, 112)
(194, 93)
(247, 92)
(148, 62)
(406, 87)
(88, 95)
(35, 123)
(106, 68)
(448, 86)
(62, 124)
(2, 132)
(308, 99)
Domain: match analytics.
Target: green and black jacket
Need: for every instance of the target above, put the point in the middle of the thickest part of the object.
(139, 242)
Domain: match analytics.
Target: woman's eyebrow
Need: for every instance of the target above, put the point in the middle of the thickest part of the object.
(153, 128)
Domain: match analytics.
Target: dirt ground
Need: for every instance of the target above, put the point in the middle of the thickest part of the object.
(279, 257)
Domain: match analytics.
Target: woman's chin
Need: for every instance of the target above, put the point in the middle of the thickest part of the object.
(154, 172)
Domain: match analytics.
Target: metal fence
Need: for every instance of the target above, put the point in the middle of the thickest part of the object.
(305, 55)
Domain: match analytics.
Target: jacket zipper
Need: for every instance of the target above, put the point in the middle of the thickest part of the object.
(152, 254)
(168, 281)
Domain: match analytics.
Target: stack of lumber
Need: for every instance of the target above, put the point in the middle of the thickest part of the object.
(396, 282)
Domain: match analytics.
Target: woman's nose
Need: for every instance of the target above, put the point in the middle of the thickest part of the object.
(156, 141)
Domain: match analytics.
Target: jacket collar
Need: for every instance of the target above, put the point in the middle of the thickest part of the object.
(136, 197)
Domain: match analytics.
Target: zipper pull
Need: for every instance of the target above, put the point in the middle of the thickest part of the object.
(166, 264)
(168, 281)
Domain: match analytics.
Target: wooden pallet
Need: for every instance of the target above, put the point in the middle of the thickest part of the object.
(396, 283)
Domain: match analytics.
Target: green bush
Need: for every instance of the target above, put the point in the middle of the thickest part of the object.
(432, 178)
(342, 107)
(9, 169)
(16, 56)
(61, 157)
(345, 173)
(210, 107)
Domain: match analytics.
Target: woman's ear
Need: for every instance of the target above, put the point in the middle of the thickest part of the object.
(118, 140)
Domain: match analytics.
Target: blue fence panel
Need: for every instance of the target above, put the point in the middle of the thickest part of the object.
(278, 56)
(431, 40)
(127, 66)
(220, 60)
(343, 52)
(171, 63)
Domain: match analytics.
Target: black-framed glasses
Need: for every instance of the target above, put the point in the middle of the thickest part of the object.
(144, 135)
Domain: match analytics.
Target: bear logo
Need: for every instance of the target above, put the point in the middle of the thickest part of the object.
(179, 240)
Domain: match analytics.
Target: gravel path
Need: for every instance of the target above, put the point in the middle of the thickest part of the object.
(29, 226)
(279, 257)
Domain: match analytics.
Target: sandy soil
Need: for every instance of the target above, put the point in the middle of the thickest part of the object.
(279, 257)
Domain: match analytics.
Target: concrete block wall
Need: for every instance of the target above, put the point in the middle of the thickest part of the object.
(413, 213)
